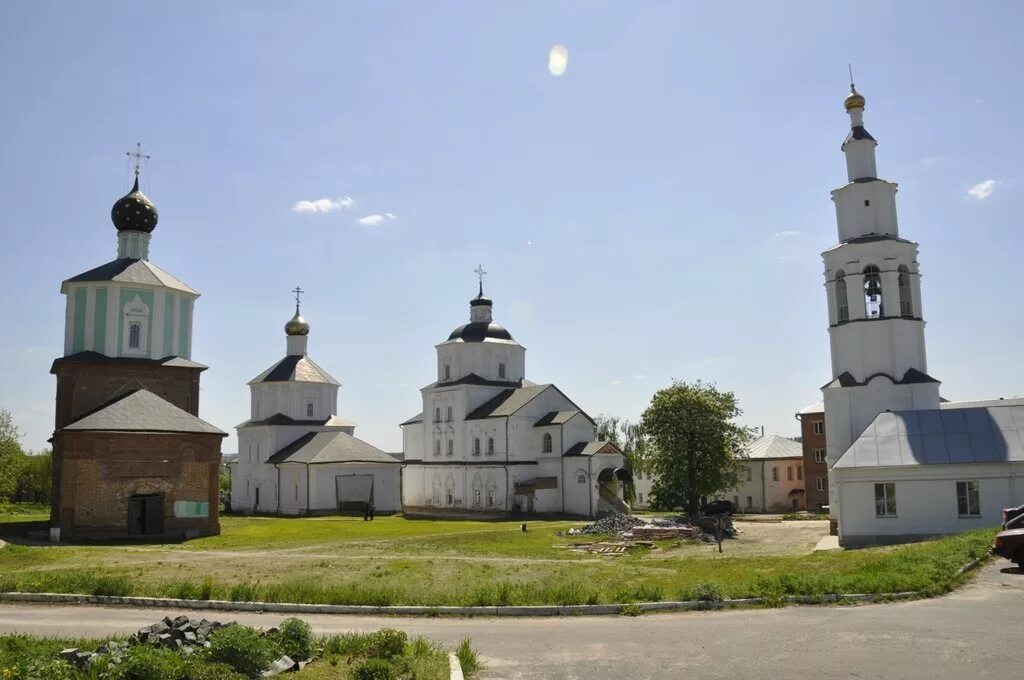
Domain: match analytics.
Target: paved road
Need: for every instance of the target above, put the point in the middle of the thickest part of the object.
(975, 633)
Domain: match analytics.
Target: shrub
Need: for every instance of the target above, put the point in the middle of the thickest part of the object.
(147, 663)
(374, 669)
(200, 669)
(631, 610)
(346, 644)
(112, 585)
(468, 658)
(386, 643)
(295, 638)
(242, 648)
(705, 591)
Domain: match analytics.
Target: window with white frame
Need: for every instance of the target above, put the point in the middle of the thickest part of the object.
(451, 447)
(449, 414)
(819, 455)
(885, 499)
(437, 414)
(309, 409)
(818, 427)
(134, 335)
(842, 304)
(968, 499)
(821, 483)
(903, 284)
(873, 303)
(490, 445)
(546, 443)
(476, 446)
(136, 321)
(437, 447)
(447, 371)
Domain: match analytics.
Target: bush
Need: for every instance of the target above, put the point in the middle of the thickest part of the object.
(386, 643)
(707, 592)
(295, 639)
(242, 648)
(201, 669)
(468, 658)
(374, 669)
(147, 663)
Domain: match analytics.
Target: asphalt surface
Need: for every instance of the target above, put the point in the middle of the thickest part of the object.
(975, 633)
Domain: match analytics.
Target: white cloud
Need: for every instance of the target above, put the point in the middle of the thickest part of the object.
(983, 190)
(558, 59)
(323, 205)
(614, 382)
(788, 233)
(640, 376)
(376, 219)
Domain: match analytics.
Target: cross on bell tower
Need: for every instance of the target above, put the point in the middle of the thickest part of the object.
(139, 157)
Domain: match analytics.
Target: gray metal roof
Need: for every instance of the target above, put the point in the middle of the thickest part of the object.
(90, 357)
(331, 447)
(281, 419)
(590, 448)
(978, 434)
(418, 418)
(773, 446)
(131, 271)
(507, 402)
(142, 411)
(295, 367)
(555, 418)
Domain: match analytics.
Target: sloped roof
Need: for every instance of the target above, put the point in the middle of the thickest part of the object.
(813, 408)
(281, 419)
(556, 418)
(978, 434)
(507, 402)
(773, 446)
(295, 367)
(131, 271)
(474, 379)
(418, 418)
(90, 357)
(911, 377)
(590, 448)
(331, 447)
(142, 411)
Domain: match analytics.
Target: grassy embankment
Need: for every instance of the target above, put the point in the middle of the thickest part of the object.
(449, 562)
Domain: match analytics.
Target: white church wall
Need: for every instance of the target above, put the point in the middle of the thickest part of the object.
(324, 490)
(926, 501)
(577, 485)
(293, 489)
(577, 429)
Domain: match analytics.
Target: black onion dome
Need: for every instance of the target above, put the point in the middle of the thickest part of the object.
(134, 212)
(478, 331)
(480, 300)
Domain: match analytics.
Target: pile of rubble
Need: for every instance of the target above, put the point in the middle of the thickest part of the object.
(632, 527)
(182, 633)
(610, 524)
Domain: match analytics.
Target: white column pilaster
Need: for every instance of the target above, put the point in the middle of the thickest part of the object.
(113, 315)
(156, 344)
(69, 321)
(90, 318)
(176, 332)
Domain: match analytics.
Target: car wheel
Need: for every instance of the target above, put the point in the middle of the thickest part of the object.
(1018, 557)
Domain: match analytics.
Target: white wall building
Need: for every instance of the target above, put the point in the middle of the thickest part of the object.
(772, 479)
(490, 441)
(296, 455)
(896, 456)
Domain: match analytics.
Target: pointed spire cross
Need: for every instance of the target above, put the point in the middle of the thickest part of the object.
(298, 291)
(480, 274)
(138, 156)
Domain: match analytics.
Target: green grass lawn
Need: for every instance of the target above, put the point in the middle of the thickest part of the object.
(395, 560)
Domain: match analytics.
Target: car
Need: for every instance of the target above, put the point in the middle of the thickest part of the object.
(721, 507)
(1009, 542)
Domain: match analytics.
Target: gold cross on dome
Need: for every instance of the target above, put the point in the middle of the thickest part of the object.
(298, 291)
(138, 156)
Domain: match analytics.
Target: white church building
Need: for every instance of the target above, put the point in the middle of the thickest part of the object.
(296, 455)
(489, 441)
(904, 463)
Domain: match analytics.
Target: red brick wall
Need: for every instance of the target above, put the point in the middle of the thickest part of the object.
(813, 470)
(99, 471)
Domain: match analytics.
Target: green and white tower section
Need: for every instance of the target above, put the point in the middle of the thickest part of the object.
(129, 308)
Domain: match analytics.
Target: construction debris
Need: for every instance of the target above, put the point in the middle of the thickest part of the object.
(632, 528)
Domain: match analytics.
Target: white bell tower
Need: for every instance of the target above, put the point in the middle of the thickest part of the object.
(876, 319)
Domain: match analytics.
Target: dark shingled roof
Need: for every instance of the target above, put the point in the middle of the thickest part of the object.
(299, 368)
(911, 377)
(97, 358)
(856, 133)
(126, 270)
(418, 418)
(281, 419)
(474, 379)
(479, 331)
(331, 447)
(590, 448)
(142, 411)
(507, 402)
(555, 418)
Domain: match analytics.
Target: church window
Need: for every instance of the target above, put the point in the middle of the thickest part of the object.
(490, 499)
(134, 336)
(451, 447)
(866, 202)
(449, 414)
(546, 443)
(476, 498)
(968, 501)
(842, 303)
(447, 371)
(873, 292)
(309, 409)
(490, 445)
(437, 447)
(450, 499)
(501, 371)
(885, 500)
(581, 477)
(476, 446)
(906, 302)
(437, 414)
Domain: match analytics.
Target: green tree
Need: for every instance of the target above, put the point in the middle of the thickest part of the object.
(11, 456)
(35, 478)
(692, 443)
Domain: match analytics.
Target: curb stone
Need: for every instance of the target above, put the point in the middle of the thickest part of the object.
(455, 668)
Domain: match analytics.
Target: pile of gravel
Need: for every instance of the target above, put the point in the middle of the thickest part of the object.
(610, 524)
(182, 633)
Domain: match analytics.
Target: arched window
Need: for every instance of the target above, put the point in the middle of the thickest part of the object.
(447, 371)
(437, 414)
(906, 300)
(309, 409)
(437, 447)
(842, 303)
(134, 336)
(873, 292)
(451, 447)
(490, 445)
(449, 414)
(476, 446)
(546, 443)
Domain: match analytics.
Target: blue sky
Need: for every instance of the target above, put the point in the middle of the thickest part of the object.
(656, 212)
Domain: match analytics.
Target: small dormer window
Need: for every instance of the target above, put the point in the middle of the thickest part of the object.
(134, 336)
(309, 410)
(447, 372)
(501, 371)
(546, 443)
